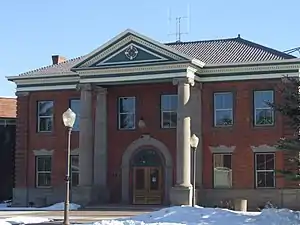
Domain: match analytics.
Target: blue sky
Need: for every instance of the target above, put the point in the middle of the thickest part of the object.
(33, 30)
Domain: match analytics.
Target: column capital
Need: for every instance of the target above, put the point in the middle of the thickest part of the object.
(84, 87)
(100, 90)
(184, 80)
(198, 86)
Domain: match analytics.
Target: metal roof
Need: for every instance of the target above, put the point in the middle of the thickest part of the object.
(220, 51)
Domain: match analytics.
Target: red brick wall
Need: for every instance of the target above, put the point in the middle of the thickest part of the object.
(8, 107)
(29, 140)
(148, 107)
(243, 134)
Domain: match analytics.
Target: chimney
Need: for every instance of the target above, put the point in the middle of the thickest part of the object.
(56, 59)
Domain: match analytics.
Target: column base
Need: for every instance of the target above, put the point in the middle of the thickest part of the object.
(100, 194)
(81, 195)
(181, 195)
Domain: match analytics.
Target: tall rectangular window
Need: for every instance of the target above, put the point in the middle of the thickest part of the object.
(223, 109)
(75, 106)
(75, 170)
(222, 170)
(126, 113)
(263, 113)
(45, 116)
(265, 170)
(168, 108)
(43, 171)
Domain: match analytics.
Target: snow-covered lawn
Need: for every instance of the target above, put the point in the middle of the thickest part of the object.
(30, 219)
(209, 216)
(23, 220)
(55, 207)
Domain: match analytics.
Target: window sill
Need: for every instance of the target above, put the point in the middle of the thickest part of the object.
(43, 187)
(264, 127)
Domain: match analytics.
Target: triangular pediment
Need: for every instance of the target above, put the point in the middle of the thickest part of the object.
(133, 53)
(130, 48)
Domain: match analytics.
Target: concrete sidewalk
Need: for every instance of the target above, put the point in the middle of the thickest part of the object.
(84, 216)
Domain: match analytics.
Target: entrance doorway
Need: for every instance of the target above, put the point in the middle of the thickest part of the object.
(147, 178)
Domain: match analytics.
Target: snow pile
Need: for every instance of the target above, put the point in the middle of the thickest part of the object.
(60, 206)
(23, 220)
(209, 216)
(55, 207)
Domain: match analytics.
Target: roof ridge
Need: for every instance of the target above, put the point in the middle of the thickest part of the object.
(272, 50)
(201, 41)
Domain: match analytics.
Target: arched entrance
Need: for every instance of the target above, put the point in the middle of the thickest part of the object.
(147, 177)
(146, 142)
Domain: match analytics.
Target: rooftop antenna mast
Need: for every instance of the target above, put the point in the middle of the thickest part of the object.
(178, 24)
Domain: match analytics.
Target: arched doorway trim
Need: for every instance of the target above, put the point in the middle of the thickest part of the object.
(144, 141)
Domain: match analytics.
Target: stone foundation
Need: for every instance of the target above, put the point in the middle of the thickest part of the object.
(48, 196)
(283, 198)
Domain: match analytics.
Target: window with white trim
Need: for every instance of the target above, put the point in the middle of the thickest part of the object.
(45, 116)
(263, 113)
(265, 170)
(223, 109)
(43, 171)
(126, 113)
(168, 108)
(74, 170)
(75, 106)
(222, 170)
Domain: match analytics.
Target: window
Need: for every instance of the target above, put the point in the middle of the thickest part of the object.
(263, 114)
(223, 109)
(74, 170)
(45, 116)
(222, 170)
(43, 171)
(126, 114)
(265, 170)
(168, 107)
(75, 106)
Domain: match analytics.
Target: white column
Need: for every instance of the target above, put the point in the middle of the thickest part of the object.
(100, 140)
(195, 108)
(86, 137)
(183, 150)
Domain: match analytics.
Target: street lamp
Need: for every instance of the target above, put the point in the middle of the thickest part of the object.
(194, 143)
(69, 119)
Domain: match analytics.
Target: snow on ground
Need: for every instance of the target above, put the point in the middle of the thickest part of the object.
(23, 220)
(209, 216)
(55, 207)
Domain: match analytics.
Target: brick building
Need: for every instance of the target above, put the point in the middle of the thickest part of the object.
(7, 146)
(137, 103)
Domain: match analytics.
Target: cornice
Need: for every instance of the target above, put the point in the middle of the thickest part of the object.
(102, 71)
(249, 69)
(43, 152)
(222, 149)
(264, 148)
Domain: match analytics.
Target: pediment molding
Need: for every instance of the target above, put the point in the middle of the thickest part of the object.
(222, 149)
(264, 148)
(127, 38)
(43, 152)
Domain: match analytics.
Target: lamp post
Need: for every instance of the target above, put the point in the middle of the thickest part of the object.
(69, 119)
(194, 143)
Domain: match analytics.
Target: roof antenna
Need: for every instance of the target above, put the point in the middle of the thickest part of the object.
(178, 24)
